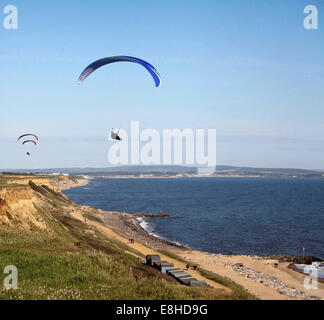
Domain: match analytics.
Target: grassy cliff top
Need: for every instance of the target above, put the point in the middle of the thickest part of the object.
(71, 259)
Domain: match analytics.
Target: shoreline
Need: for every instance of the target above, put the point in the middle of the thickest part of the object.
(266, 277)
(126, 219)
(131, 224)
(80, 183)
(127, 225)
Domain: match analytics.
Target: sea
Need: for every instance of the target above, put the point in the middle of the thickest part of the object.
(250, 216)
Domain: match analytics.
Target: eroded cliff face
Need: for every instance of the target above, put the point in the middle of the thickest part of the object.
(17, 208)
(22, 197)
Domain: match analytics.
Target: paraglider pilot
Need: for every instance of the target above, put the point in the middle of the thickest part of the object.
(115, 136)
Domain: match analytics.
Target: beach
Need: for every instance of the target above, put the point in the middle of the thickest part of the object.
(146, 249)
(127, 225)
(265, 278)
(259, 275)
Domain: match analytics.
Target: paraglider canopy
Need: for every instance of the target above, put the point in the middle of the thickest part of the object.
(32, 141)
(26, 135)
(102, 62)
(29, 140)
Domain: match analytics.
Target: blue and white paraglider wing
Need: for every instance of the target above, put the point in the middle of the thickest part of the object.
(102, 62)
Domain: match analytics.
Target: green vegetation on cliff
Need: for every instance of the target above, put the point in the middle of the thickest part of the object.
(70, 259)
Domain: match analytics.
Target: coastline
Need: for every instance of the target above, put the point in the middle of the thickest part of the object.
(258, 275)
(78, 183)
(266, 278)
(128, 226)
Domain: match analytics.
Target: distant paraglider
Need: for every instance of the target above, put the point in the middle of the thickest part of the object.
(115, 136)
(102, 62)
(28, 140)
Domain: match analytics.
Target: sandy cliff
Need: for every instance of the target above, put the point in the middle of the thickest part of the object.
(19, 201)
(17, 208)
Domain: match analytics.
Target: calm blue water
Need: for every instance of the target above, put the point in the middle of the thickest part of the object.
(237, 215)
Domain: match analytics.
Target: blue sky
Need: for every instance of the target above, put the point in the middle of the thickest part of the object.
(246, 68)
